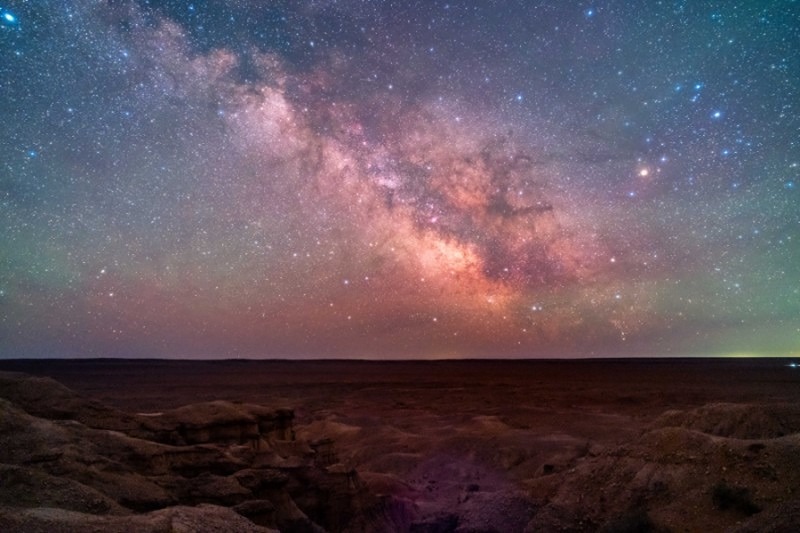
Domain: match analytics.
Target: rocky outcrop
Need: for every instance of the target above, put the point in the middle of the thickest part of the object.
(206, 518)
(223, 423)
(70, 463)
(672, 476)
(741, 421)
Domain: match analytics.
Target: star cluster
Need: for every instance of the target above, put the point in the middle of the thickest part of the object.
(399, 179)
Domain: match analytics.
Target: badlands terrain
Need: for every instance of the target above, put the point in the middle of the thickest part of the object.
(461, 446)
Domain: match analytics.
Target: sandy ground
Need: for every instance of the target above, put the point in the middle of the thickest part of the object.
(515, 445)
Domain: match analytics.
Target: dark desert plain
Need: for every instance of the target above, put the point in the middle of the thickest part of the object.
(434, 446)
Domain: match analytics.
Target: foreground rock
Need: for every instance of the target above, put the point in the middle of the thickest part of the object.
(721, 467)
(210, 518)
(67, 464)
(718, 467)
(72, 464)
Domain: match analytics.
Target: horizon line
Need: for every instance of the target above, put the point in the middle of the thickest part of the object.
(403, 359)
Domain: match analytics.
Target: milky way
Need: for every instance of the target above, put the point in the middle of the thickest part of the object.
(399, 179)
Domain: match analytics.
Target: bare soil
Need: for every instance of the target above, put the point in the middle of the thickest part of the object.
(614, 445)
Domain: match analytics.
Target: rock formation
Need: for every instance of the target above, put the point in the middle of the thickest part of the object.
(714, 468)
(70, 463)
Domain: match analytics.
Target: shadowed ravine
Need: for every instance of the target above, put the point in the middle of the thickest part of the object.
(646, 445)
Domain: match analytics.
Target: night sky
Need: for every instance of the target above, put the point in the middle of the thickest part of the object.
(303, 179)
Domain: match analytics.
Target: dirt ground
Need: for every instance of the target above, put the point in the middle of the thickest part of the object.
(620, 445)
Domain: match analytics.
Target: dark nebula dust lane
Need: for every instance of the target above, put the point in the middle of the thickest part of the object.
(399, 179)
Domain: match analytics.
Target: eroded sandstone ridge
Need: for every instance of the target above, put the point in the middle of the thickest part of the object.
(68, 463)
(524, 456)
